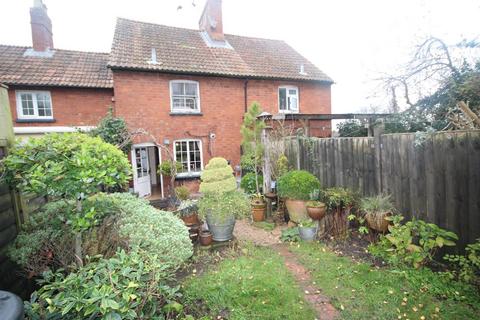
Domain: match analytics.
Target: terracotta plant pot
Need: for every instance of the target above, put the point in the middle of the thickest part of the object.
(317, 213)
(191, 219)
(193, 232)
(297, 210)
(206, 238)
(377, 221)
(258, 213)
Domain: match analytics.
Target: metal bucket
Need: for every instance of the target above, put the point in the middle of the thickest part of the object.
(11, 306)
(307, 234)
(221, 229)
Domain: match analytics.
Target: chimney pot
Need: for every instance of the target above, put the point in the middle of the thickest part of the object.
(42, 37)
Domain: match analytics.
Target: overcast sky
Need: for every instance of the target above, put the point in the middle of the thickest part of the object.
(352, 41)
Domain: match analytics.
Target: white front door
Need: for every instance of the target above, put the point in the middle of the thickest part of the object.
(141, 175)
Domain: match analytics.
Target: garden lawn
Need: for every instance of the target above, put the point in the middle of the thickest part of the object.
(256, 285)
(360, 291)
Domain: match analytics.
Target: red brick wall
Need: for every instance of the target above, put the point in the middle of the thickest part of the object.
(71, 106)
(143, 100)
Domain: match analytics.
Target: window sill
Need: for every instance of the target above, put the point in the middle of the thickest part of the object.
(173, 113)
(38, 120)
(189, 176)
(288, 112)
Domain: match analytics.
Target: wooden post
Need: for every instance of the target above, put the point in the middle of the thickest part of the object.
(267, 174)
(377, 134)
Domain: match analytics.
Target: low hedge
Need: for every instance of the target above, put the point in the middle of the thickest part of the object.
(297, 185)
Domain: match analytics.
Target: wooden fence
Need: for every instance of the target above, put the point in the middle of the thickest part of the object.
(434, 177)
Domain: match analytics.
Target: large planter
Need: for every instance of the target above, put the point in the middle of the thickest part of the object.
(221, 229)
(378, 221)
(317, 213)
(258, 211)
(307, 233)
(297, 210)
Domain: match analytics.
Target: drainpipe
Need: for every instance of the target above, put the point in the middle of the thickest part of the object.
(245, 94)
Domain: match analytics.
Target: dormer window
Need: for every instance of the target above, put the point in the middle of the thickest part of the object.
(34, 105)
(288, 99)
(185, 96)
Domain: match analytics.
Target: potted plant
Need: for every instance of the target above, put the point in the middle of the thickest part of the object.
(188, 212)
(295, 187)
(258, 207)
(221, 202)
(307, 229)
(205, 238)
(316, 209)
(377, 210)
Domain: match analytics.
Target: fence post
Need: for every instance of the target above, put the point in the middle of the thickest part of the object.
(377, 134)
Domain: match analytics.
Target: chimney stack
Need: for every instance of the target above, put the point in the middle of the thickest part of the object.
(42, 37)
(211, 20)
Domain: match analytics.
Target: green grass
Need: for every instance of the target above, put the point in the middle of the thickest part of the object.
(361, 291)
(256, 285)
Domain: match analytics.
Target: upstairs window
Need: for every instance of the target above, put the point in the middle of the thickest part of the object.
(189, 154)
(288, 99)
(34, 105)
(185, 96)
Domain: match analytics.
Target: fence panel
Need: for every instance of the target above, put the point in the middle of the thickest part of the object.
(433, 177)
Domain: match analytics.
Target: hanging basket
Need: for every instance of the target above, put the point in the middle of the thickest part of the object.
(377, 221)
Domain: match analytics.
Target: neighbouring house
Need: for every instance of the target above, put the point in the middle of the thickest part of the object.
(187, 89)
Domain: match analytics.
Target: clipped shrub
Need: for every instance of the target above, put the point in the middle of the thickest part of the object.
(217, 177)
(413, 243)
(125, 286)
(248, 183)
(182, 193)
(338, 198)
(66, 165)
(297, 185)
(160, 233)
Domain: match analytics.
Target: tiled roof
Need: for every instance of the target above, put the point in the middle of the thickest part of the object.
(185, 51)
(65, 68)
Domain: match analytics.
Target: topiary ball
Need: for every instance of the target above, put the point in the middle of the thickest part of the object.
(217, 177)
(297, 185)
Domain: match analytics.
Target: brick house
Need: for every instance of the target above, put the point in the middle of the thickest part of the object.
(187, 88)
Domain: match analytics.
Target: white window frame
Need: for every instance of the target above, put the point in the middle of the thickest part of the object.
(35, 115)
(189, 173)
(198, 110)
(287, 96)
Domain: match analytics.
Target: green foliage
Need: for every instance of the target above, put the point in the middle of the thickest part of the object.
(169, 168)
(352, 128)
(377, 204)
(125, 286)
(338, 198)
(290, 235)
(160, 233)
(113, 130)
(247, 163)
(251, 131)
(315, 204)
(248, 183)
(360, 291)
(256, 285)
(221, 206)
(67, 165)
(297, 185)
(187, 208)
(281, 166)
(466, 267)
(217, 177)
(413, 243)
(182, 193)
(307, 223)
